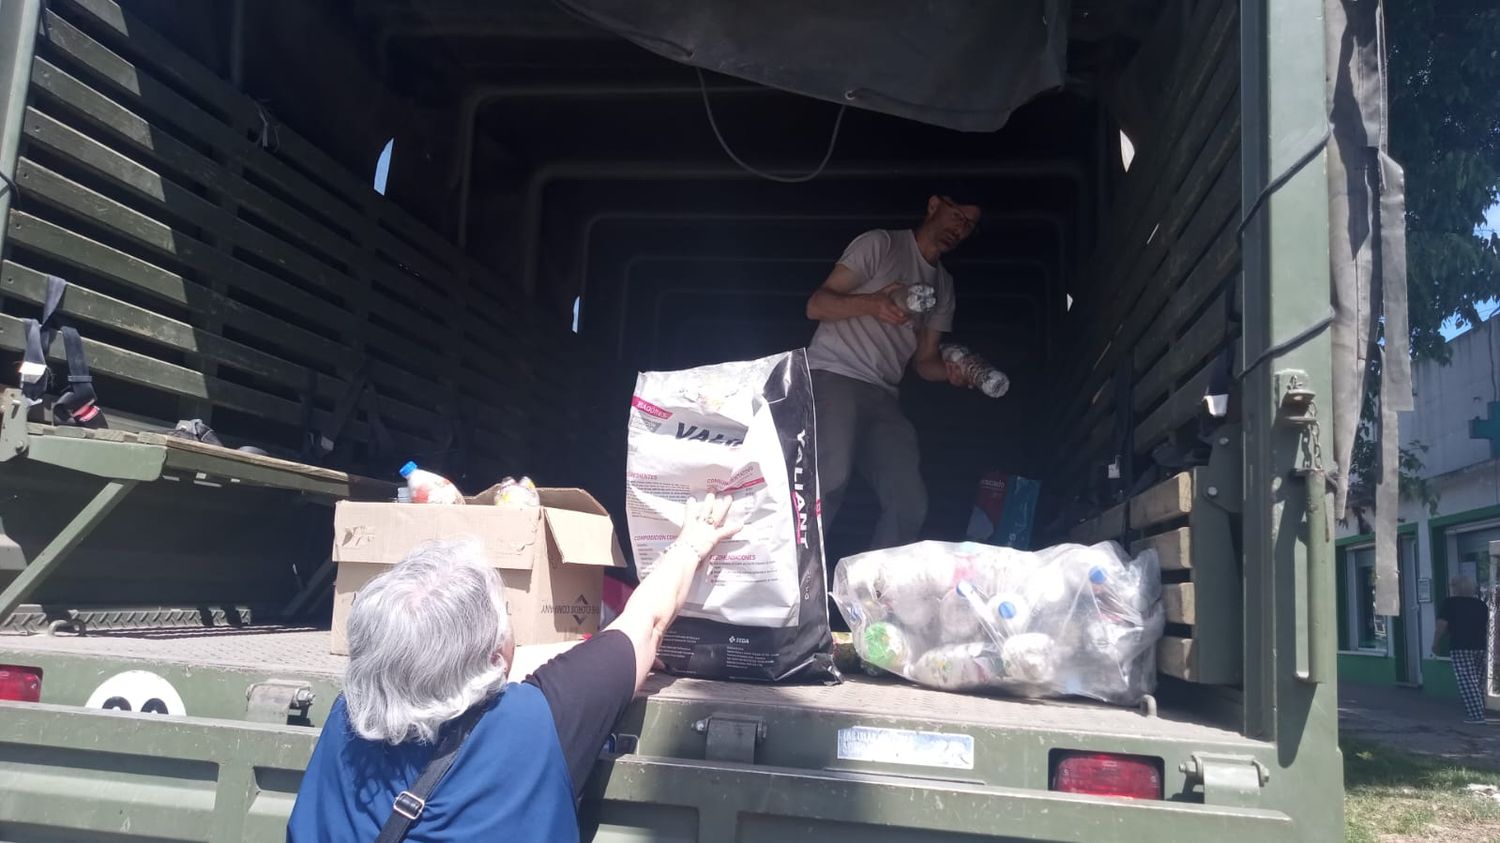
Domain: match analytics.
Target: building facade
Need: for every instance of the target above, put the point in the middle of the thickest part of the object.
(1455, 427)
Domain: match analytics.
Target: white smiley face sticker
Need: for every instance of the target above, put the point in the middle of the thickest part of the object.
(137, 690)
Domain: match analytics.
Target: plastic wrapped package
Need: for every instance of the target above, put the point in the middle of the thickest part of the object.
(1069, 620)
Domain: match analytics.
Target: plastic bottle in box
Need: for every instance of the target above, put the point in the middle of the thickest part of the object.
(427, 487)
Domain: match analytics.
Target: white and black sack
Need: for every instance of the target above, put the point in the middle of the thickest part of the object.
(758, 609)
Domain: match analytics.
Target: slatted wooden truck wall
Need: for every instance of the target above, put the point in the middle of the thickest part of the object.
(1165, 283)
(222, 267)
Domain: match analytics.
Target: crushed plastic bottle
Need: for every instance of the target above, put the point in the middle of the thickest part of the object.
(980, 372)
(915, 298)
(427, 487)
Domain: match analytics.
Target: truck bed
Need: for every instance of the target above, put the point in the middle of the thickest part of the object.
(303, 652)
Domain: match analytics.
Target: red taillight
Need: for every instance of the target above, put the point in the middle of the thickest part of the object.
(1106, 774)
(20, 684)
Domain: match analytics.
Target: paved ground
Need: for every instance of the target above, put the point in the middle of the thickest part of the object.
(1407, 719)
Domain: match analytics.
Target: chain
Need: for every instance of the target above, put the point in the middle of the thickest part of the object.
(1312, 441)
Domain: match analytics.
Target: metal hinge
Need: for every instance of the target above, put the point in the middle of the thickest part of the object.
(1220, 482)
(14, 438)
(11, 556)
(278, 701)
(731, 737)
(1234, 780)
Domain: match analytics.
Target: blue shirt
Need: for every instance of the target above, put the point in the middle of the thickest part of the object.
(510, 781)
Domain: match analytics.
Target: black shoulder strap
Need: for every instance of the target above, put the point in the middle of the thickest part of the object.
(411, 802)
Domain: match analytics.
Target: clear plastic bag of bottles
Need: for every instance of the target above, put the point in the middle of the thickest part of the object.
(1070, 620)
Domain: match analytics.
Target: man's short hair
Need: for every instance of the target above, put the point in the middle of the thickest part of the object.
(424, 643)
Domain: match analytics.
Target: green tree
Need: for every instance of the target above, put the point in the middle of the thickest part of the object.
(1444, 91)
(1444, 94)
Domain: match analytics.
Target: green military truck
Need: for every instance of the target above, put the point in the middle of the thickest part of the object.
(1153, 272)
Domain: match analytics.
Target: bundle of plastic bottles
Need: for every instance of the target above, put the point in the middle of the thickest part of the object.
(424, 486)
(979, 371)
(1070, 620)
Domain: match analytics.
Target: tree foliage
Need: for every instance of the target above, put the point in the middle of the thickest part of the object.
(1444, 93)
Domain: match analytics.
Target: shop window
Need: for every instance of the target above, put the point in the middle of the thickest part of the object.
(1366, 630)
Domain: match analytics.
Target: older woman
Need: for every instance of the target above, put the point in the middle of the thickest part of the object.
(429, 656)
(1465, 619)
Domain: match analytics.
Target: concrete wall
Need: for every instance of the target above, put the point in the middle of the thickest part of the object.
(1447, 397)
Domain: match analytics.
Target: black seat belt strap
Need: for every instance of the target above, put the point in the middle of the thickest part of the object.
(36, 377)
(410, 803)
(78, 405)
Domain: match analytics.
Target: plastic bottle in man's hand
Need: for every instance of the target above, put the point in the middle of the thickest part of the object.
(979, 372)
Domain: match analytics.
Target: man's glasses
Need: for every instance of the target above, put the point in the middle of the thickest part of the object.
(969, 222)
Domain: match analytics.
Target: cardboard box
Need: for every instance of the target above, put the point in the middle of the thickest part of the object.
(551, 558)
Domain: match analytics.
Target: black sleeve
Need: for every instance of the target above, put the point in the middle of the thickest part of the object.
(587, 688)
(1443, 614)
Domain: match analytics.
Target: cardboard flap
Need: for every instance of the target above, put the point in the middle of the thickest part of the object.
(575, 500)
(580, 529)
(385, 532)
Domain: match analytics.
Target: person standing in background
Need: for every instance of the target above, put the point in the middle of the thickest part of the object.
(1465, 619)
(864, 343)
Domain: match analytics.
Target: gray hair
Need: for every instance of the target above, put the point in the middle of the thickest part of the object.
(425, 640)
(1462, 586)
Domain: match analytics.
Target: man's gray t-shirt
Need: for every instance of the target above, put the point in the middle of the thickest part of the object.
(864, 348)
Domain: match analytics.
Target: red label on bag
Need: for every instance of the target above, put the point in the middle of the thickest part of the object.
(648, 408)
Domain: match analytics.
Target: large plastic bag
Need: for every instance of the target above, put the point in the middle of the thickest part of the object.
(1070, 620)
(758, 608)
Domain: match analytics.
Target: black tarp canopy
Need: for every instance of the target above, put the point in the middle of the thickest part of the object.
(961, 64)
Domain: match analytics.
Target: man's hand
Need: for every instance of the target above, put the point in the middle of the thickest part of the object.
(884, 308)
(958, 375)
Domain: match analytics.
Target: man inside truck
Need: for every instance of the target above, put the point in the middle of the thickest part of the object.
(429, 737)
(867, 336)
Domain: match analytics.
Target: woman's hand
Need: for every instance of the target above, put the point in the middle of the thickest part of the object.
(703, 524)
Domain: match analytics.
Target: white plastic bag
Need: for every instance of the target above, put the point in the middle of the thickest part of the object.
(759, 608)
(1069, 620)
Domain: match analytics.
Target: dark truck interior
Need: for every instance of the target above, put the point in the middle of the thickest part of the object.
(561, 213)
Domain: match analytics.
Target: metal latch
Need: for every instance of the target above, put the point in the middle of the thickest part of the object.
(1296, 399)
(278, 701)
(731, 737)
(1234, 780)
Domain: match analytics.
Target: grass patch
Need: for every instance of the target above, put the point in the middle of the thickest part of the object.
(1393, 795)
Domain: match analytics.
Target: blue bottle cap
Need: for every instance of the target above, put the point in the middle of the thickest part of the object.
(1007, 610)
(407, 469)
(1096, 576)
